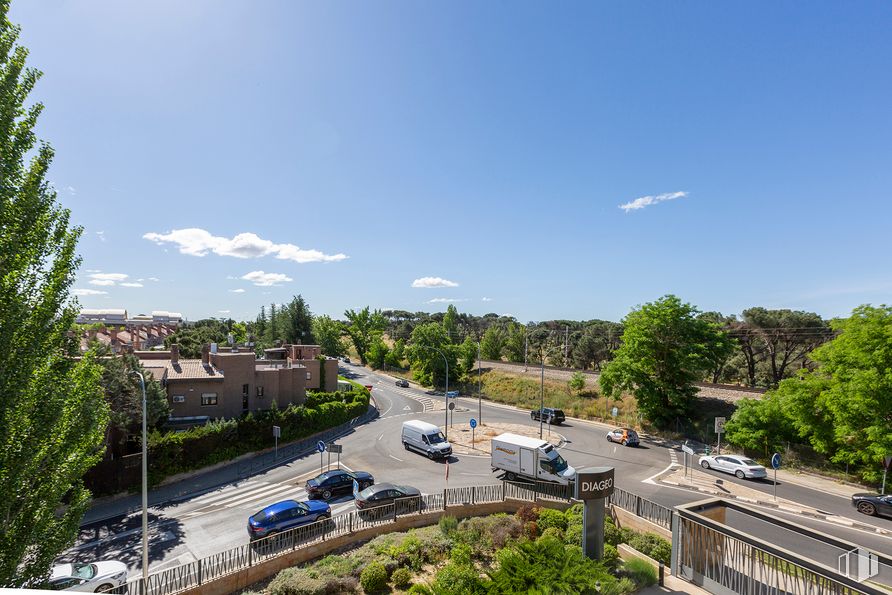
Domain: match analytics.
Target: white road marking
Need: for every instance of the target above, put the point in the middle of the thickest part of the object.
(381, 436)
(229, 491)
(273, 494)
(650, 479)
(393, 457)
(407, 408)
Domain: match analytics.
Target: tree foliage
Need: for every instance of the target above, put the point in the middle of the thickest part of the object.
(429, 346)
(666, 349)
(362, 328)
(329, 336)
(52, 411)
(493, 343)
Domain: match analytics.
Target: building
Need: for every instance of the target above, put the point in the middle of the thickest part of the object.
(228, 382)
(119, 317)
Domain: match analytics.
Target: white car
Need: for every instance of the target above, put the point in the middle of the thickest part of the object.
(98, 577)
(740, 466)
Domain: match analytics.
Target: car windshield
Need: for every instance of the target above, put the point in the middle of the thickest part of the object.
(558, 464)
(748, 462)
(436, 438)
(83, 570)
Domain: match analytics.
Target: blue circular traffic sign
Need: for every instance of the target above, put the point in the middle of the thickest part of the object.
(320, 446)
(775, 461)
(473, 423)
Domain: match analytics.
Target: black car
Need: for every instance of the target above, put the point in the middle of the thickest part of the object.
(387, 493)
(873, 504)
(335, 482)
(552, 416)
(403, 383)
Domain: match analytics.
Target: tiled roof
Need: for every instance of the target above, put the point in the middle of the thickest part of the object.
(192, 369)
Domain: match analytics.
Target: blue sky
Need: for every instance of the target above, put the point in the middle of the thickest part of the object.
(224, 155)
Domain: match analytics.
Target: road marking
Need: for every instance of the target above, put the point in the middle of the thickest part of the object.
(407, 408)
(204, 500)
(393, 457)
(381, 436)
(650, 479)
(272, 495)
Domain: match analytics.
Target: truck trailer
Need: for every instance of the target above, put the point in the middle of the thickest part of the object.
(529, 458)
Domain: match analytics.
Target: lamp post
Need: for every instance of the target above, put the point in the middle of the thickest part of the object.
(145, 482)
(479, 387)
(446, 393)
(542, 398)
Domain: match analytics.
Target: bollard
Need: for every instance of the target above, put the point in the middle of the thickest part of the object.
(662, 571)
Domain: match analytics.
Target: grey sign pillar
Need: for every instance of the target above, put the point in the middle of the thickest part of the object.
(593, 485)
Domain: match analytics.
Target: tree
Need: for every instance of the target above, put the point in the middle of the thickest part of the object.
(297, 322)
(786, 335)
(261, 324)
(722, 357)
(363, 327)
(598, 342)
(328, 334)
(468, 353)
(273, 327)
(429, 345)
(577, 381)
(377, 353)
(666, 349)
(450, 323)
(397, 354)
(493, 343)
(515, 343)
(52, 412)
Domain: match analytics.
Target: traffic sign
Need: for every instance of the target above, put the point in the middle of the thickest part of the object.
(320, 446)
(451, 406)
(277, 432)
(719, 425)
(473, 423)
(614, 412)
(335, 448)
(775, 461)
(887, 461)
(687, 449)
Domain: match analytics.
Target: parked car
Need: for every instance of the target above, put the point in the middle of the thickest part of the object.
(96, 577)
(403, 383)
(383, 494)
(451, 394)
(873, 504)
(285, 515)
(624, 436)
(346, 360)
(742, 467)
(335, 482)
(551, 416)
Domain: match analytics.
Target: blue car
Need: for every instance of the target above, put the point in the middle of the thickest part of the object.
(285, 515)
(451, 394)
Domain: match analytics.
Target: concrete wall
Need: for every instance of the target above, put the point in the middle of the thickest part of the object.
(624, 518)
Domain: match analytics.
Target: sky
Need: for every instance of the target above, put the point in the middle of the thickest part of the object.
(532, 159)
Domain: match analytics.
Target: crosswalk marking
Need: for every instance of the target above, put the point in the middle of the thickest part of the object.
(252, 486)
(274, 494)
(426, 402)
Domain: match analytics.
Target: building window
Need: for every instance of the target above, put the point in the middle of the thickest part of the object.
(245, 389)
(259, 391)
(208, 398)
(179, 398)
(309, 375)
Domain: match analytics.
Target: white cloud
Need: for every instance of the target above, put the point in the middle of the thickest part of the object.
(646, 201)
(72, 190)
(93, 271)
(239, 290)
(101, 235)
(224, 311)
(263, 279)
(198, 242)
(428, 282)
(445, 301)
(154, 279)
(103, 282)
(486, 299)
(88, 292)
(131, 284)
(106, 279)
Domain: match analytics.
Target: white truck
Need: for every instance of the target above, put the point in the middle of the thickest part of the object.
(529, 458)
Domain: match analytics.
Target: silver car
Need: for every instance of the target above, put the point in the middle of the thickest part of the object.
(98, 577)
(740, 466)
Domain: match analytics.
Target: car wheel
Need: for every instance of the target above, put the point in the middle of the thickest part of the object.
(406, 444)
(510, 476)
(740, 474)
(704, 464)
(326, 494)
(430, 455)
(867, 508)
(609, 439)
(625, 442)
(104, 588)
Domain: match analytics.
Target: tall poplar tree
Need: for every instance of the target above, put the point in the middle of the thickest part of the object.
(52, 411)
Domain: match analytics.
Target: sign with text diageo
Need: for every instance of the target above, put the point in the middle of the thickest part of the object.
(594, 482)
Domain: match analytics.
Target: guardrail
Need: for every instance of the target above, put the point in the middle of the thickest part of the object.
(646, 509)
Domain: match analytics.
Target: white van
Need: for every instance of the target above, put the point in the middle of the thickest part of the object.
(425, 438)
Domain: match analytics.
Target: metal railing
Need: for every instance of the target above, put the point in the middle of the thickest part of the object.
(646, 509)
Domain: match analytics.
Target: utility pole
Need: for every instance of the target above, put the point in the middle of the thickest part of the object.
(567, 346)
(145, 488)
(526, 341)
(542, 399)
(479, 387)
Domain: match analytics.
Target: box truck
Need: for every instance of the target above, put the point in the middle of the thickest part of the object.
(529, 458)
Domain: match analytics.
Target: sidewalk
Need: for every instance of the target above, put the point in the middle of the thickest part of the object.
(193, 483)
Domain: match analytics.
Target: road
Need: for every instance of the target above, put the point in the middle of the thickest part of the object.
(207, 523)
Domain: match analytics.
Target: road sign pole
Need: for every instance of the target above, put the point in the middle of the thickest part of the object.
(883, 489)
(339, 461)
(329, 459)
(775, 484)
(718, 447)
(472, 439)
(277, 447)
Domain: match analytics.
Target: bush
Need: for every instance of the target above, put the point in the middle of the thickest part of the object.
(401, 578)
(652, 545)
(373, 578)
(615, 535)
(296, 581)
(461, 554)
(623, 586)
(527, 513)
(641, 572)
(411, 552)
(573, 535)
(611, 556)
(548, 517)
(448, 524)
(554, 532)
(458, 579)
(419, 589)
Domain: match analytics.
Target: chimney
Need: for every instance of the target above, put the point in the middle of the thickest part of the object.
(174, 353)
(205, 354)
(136, 339)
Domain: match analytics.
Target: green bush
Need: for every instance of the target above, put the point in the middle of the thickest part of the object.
(461, 554)
(296, 581)
(401, 578)
(554, 532)
(573, 535)
(448, 524)
(458, 579)
(419, 589)
(373, 578)
(548, 517)
(652, 545)
(615, 535)
(411, 552)
(611, 556)
(641, 572)
(624, 586)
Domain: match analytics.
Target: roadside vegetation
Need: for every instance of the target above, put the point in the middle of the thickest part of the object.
(531, 551)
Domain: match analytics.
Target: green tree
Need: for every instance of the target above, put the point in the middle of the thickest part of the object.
(52, 412)
(328, 333)
(493, 343)
(450, 323)
(428, 342)
(468, 355)
(787, 336)
(666, 349)
(761, 425)
(297, 322)
(363, 327)
(577, 381)
(377, 353)
(515, 342)
(272, 329)
(397, 354)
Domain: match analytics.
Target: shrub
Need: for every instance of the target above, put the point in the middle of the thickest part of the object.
(573, 535)
(615, 535)
(419, 589)
(296, 581)
(458, 579)
(401, 578)
(503, 530)
(554, 532)
(611, 557)
(448, 524)
(623, 586)
(548, 517)
(527, 513)
(641, 572)
(373, 578)
(461, 554)
(411, 552)
(530, 530)
(652, 545)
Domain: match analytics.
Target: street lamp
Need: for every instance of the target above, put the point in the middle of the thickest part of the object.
(145, 482)
(446, 393)
(479, 388)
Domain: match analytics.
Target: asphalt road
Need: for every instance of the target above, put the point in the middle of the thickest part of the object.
(207, 523)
